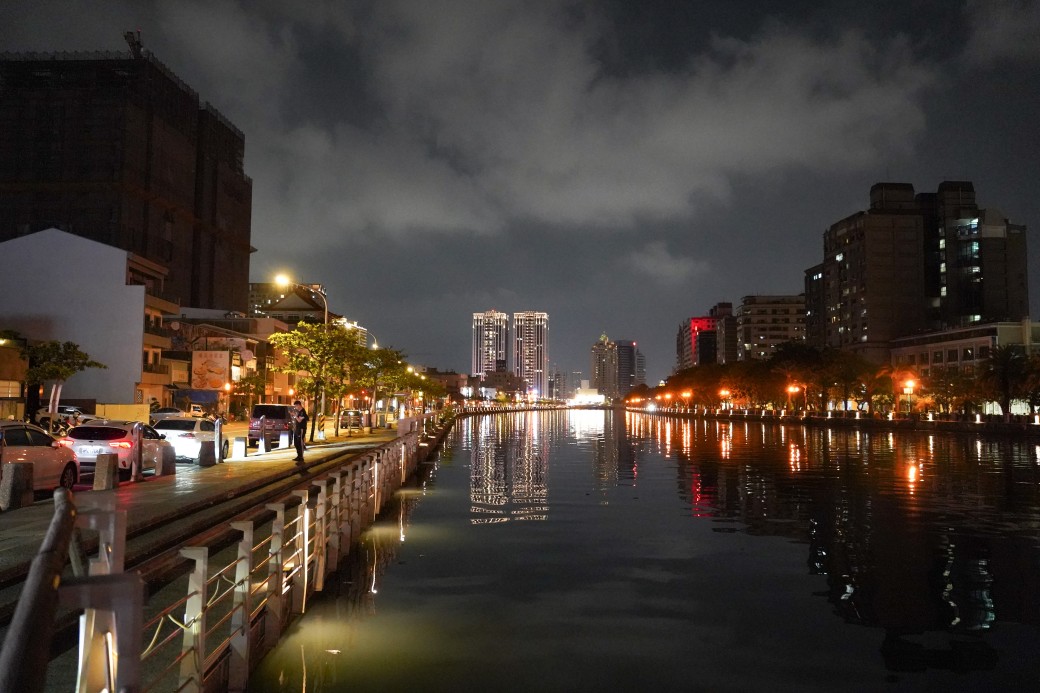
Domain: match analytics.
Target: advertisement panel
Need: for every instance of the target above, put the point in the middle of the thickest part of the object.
(210, 369)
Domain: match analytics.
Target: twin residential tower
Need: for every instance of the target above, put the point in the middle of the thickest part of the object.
(530, 347)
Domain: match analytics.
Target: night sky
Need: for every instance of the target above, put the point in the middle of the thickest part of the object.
(620, 165)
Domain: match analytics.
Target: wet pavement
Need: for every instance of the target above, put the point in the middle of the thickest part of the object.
(179, 498)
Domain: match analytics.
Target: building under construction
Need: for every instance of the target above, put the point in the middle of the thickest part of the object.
(116, 148)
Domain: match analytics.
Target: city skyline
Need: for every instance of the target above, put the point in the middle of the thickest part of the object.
(622, 167)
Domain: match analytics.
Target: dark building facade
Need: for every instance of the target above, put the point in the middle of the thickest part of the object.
(631, 366)
(116, 148)
(912, 263)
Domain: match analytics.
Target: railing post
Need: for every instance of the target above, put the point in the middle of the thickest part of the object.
(335, 532)
(303, 529)
(321, 535)
(193, 645)
(275, 567)
(111, 659)
(242, 610)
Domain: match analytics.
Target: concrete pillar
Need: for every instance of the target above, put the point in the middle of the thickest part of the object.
(168, 463)
(283, 439)
(106, 472)
(207, 456)
(16, 486)
(238, 448)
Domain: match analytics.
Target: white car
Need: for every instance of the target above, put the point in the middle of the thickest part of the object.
(107, 436)
(64, 412)
(53, 464)
(166, 413)
(188, 434)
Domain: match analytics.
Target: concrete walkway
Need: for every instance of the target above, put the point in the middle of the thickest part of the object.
(156, 501)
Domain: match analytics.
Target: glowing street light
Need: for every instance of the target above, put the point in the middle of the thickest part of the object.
(284, 281)
(791, 391)
(686, 395)
(724, 396)
(908, 390)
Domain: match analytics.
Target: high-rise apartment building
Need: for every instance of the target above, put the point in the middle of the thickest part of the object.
(603, 367)
(116, 148)
(690, 349)
(530, 352)
(766, 322)
(631, 366)
(912, 263)
(490, 343)
(725, 332)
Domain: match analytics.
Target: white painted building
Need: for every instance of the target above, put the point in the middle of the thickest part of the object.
(58, 286)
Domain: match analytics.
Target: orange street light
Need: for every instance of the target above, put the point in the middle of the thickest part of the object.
(791, 391)
(908, 390)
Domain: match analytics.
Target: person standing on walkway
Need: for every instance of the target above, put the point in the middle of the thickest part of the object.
(300, 417)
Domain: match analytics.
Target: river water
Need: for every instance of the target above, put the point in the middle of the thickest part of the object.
(601, 551)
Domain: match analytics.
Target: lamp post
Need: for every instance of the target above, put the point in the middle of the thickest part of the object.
(686, 394)
(908, 390)
(791, 391)
(723, 396)
(284, 281)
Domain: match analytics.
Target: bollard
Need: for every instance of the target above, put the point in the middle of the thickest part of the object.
(167, 463)
(207, 456)
(16, 486)
(283, 439)
(262, 443)
(239, 447)
(218, 439)
(106, 472)
(137, 461)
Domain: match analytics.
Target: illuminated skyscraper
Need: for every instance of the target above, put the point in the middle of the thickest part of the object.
(530, 353)
(490, 342)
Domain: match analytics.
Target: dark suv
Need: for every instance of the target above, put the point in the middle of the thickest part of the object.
(279, 417)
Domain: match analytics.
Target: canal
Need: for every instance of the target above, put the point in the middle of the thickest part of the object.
(592, 550)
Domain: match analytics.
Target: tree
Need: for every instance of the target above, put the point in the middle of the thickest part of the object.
(253, 386)
(382, 368)
(1004, 375)
(315, 352)
(55, 362)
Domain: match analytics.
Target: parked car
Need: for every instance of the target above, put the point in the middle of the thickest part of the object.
(196, 410)
(188, 434)
(166, 413)
(278, 418)
(64, 411)
(107, 436)
(53, 464)
(350, 418)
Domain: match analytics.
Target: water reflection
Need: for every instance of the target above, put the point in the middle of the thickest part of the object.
(907, 554)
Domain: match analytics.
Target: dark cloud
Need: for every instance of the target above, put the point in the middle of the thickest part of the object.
(619, 165)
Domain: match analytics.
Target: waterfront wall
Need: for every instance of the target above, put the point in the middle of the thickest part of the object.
(1019, 426)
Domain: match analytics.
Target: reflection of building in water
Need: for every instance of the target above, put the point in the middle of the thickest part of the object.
(510, 464)
(866, 502)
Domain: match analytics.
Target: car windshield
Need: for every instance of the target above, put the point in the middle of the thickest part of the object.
(167, 410)
(174, 425)
(96, 433)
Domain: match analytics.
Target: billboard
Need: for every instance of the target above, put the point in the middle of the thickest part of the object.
(210, 369)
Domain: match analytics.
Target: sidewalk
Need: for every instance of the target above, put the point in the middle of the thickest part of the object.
(156, 501)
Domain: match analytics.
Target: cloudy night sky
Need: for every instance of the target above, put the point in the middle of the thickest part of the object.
(620, 165)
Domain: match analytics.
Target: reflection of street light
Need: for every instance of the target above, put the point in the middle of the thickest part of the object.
(908, 390)
(284, 281)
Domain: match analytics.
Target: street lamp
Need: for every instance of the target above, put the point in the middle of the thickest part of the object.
(791, 391)
(723, 395)
(686, 394)
(283, 280)
(908, 390)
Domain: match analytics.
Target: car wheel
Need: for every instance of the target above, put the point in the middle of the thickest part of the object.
(224, 450)
(124, 474)
(68, 477)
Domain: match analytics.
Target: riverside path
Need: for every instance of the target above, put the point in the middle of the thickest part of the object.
(164, 513)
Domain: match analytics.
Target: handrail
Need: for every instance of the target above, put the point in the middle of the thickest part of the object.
(26, 651)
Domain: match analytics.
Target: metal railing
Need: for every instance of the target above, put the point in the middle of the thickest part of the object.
(207, 629)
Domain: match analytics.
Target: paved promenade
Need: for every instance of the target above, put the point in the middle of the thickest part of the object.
(180, 499)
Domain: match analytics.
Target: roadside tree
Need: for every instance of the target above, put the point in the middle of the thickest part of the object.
(55, 362)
